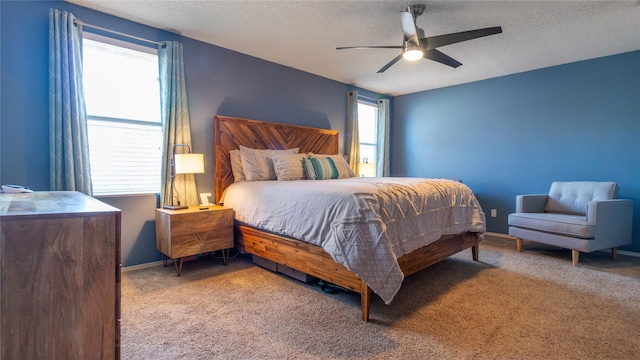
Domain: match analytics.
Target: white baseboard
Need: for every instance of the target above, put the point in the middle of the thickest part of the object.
(487, 233)
(499, 235)
(627, 253)
(142, 266)
(509, 237)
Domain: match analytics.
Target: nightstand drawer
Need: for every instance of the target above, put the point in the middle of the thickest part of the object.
(201, 242)
(201, 221)
(181, 233)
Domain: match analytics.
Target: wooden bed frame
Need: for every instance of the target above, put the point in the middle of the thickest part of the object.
(230, 133)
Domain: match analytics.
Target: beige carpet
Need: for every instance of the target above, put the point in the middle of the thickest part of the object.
(530, 305)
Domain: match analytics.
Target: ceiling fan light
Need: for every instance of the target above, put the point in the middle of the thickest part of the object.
(413, 54)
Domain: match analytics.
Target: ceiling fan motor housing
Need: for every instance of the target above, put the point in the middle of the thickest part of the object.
(416, 10)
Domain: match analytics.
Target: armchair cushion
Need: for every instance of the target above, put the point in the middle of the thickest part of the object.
(572, 197)
(562, 224)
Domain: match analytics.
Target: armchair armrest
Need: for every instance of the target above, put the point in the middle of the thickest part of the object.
(611, 216)
(531, 203)
(613, 220)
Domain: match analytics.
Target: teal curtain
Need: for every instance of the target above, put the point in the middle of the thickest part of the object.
(69, 168)
(176, 127)
(352, 138)
(382, 155)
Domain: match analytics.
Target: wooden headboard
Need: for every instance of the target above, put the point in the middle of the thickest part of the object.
(230, 133)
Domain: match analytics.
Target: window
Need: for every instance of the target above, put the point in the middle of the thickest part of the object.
(122, 95)
(368, 134)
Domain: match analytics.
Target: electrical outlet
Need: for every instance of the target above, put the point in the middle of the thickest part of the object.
(494, 213)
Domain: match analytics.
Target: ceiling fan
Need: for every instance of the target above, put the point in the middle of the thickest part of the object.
(416, 46)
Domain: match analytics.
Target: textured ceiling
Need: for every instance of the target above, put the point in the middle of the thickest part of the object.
(304, 34)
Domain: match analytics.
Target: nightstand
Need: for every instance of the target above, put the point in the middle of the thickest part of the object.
(192, 231)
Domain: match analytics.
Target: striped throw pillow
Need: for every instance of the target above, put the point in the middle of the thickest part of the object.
(320, 168)
(341, 164)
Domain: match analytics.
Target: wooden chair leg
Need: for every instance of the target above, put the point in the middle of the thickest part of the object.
(519, 244)
(614, 253)
(575, 254)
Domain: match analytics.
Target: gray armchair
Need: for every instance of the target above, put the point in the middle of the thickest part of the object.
(580, 215)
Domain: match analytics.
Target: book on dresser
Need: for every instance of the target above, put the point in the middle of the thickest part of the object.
(60, 277)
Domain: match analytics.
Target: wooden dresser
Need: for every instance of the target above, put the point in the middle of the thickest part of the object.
(59, 277)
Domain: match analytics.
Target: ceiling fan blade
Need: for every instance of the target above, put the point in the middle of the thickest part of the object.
(442, 58)
(409, 28)
(389, 64)
(369, 47)
(433, 42)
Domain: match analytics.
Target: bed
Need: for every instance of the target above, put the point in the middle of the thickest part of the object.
(231, 133)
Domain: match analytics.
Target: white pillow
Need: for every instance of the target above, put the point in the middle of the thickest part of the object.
(258, 164)
(236, 166)
(289, 167)
(344, 170)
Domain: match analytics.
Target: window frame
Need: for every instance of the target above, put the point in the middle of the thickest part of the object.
(375, 145)
(156, 125)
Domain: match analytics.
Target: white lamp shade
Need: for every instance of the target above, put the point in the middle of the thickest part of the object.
(189, 163)
(367, 169)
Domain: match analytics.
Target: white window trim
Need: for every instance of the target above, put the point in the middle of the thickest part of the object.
(136, 47)
(374, 106)
(120, 43)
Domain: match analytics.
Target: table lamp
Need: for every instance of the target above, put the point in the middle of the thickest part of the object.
(184, 164)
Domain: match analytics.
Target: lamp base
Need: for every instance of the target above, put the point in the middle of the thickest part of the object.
(176, 207)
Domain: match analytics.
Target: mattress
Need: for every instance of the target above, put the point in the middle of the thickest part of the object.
(365, 224)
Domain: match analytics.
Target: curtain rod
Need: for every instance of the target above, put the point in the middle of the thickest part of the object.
(367, 98)
(81, 23)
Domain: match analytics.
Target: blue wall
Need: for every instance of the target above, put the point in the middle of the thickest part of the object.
(503, 136)
(516, 134)
(219, 81)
